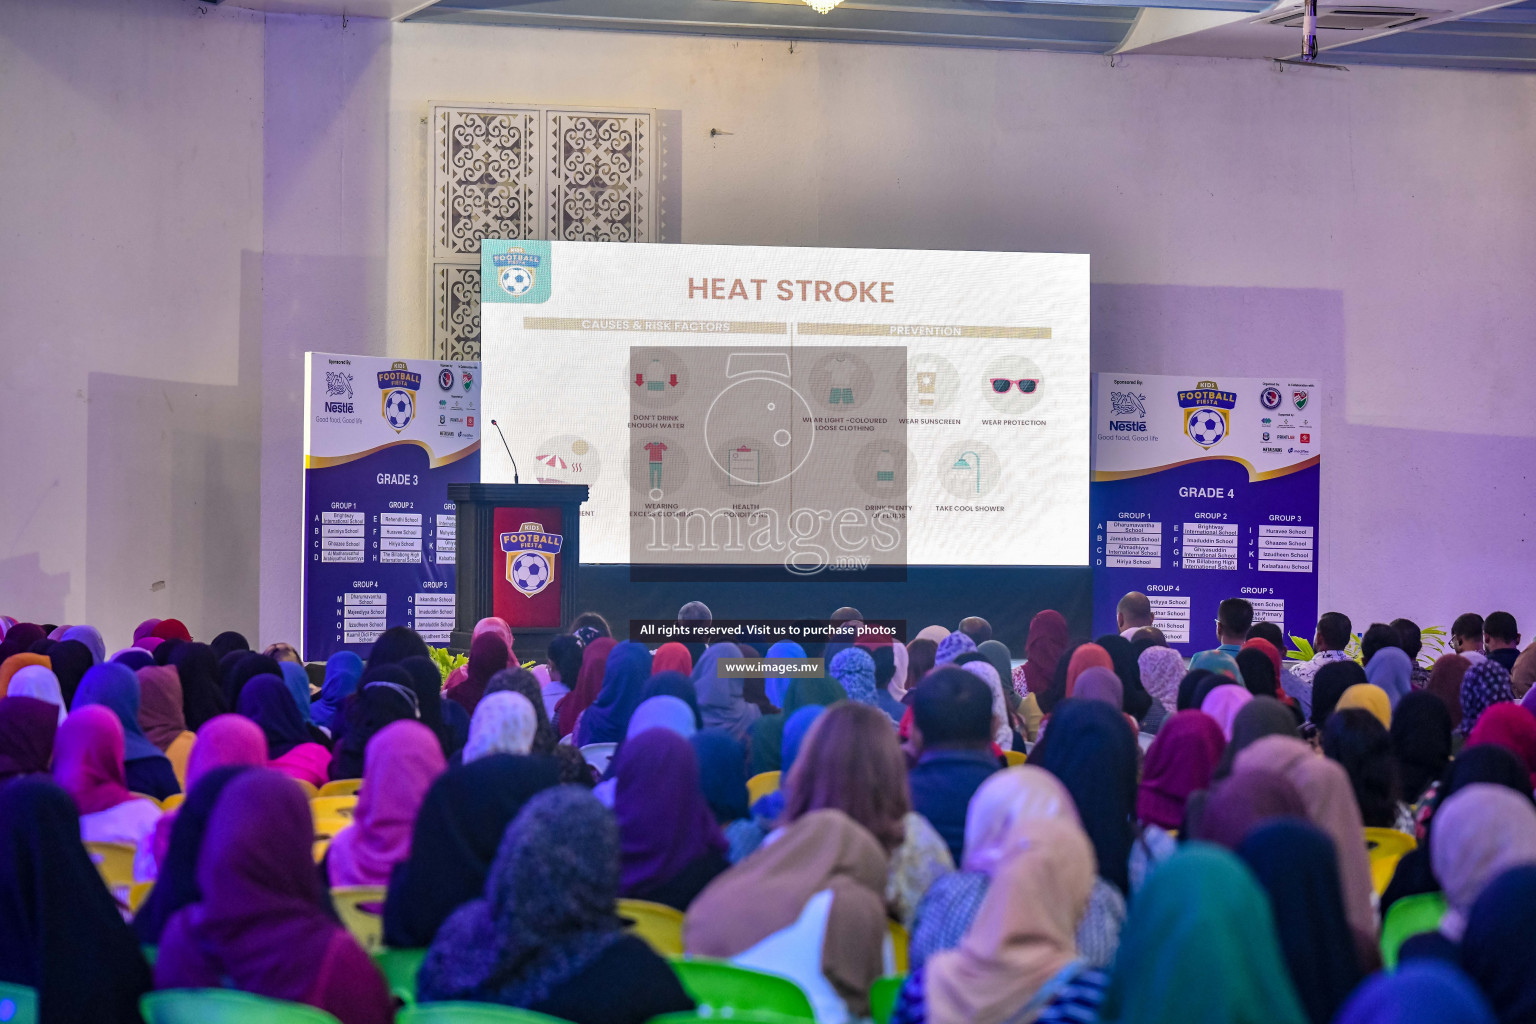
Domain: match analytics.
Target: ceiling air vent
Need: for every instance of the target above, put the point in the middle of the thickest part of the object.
(1353, 19)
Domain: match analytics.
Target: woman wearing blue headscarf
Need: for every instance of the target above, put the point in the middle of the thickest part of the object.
(1392, 670)
(342, 671)
(116, 688)
(777, 686)
(624, 678)
(723, 777)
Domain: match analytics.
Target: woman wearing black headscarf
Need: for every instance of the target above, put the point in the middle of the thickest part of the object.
(396, 644)
(1258, 672)
(176, 886)
(427, 684)
(1329, 685)
(1137, 701)
(385, 694)
(60, 932)
(198, 669)
(1090, 748)
(1189, 686)
(247, 667)
(70, 661)
(166, 649)
(1356, 739)
(1421, 742)
(455, 839)
(1297, 865)
(228, 641)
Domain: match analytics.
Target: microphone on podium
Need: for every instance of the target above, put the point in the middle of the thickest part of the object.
(508, 448)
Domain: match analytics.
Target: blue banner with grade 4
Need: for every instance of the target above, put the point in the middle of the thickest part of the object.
(383, 439)
(1203, 489)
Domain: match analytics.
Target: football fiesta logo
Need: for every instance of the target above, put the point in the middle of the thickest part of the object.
(398, 387)
(1207, 413)
(530, 555)
(516, 271)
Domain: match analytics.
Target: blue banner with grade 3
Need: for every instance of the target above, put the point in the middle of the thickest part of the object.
(383, 439)
(1205, 489)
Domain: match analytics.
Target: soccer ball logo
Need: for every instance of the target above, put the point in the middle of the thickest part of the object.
(399, 408)
(515, 280)
(530, 572)
(1206, 427)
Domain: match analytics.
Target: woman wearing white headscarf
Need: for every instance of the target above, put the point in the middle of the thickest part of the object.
(1002, 732)
(38, 681)
(504, 723)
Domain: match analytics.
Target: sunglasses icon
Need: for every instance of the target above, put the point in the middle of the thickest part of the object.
(1027, 386)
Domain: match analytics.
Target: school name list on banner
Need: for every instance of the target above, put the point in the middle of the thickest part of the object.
(1205, 489)
(383, 439)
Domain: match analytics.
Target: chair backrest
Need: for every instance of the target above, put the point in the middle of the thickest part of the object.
(734, 1017)
(1015, 757)
(151, 799)
(470, 1013)
(1386, 847)
(115, 863)
(882, 997)
(138, 893)
(310, 792)
(333, 807)
(341, 787)
(172, 802)
(400, 967)
(899, 942)
(1407, 917)
(598, 755)
(320, 846)
(18, 1004)
(225, 1006)
(361, 908)
(761, 784)
(722, 989)
(656, 923)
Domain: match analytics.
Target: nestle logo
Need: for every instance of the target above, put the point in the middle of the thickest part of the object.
(338, 407)
(1128, 425)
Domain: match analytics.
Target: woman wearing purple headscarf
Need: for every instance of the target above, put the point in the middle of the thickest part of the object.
(671, 844)
(261, 925)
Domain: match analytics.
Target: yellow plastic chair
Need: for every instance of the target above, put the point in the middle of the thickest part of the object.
(341, 787)
(115, 863)
(319, 848)
(178, 753)
(1386, 847)
(146, 796)
(470, 1013)
(310, 792)
(361, 908)
(225, 1006)
(138, 893)
(760, 785)
(18, 1004)
(1015, 757)
(899, 941)
(322, 807)
(173, 802)
(658, 924)
(400, 967)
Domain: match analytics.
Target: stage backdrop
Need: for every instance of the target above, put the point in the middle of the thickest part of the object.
(1202, 490)
(383, 439)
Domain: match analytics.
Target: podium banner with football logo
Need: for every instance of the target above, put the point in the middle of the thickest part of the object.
(1203, 489)
(383, 439)
(525, 590)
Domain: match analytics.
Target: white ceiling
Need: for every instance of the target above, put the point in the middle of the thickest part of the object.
(354, 8)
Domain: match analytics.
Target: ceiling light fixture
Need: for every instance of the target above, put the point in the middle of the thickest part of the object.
(822, 6)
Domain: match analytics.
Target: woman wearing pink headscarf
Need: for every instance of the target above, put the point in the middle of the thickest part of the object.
(224, 740)
(401, 762)
(489, 624)
(1223, 704)
(88, 765)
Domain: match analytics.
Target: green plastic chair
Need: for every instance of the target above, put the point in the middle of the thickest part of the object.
(882, 997)
(470, 1013)
(724, 990)
(225, 1006)
(733, 1017)
(1407, 917)
(18, 1004)
(400, 967)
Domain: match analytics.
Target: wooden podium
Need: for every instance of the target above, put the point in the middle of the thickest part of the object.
(518, 557)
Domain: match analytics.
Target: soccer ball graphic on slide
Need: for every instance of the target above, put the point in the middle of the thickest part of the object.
(1206, 427)
(515, 280)
(530, 572)
(397, 408)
